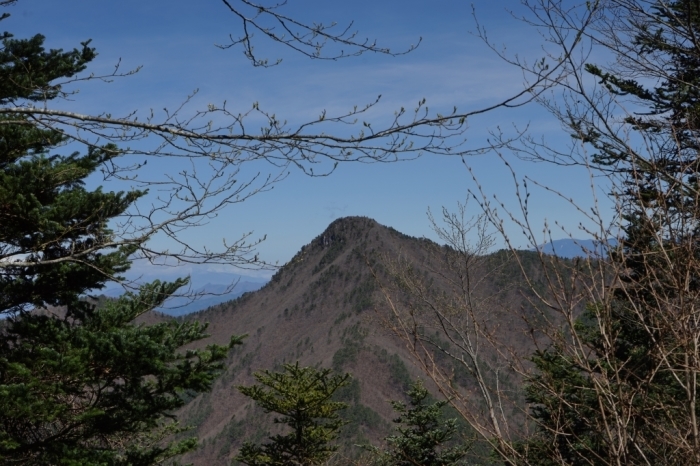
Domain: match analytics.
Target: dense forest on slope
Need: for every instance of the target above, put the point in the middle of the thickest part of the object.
(325, 308)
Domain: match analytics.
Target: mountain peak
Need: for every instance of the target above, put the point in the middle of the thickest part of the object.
(345, 228)
(325, 308)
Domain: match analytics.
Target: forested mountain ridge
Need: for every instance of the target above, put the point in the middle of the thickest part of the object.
(326, 308)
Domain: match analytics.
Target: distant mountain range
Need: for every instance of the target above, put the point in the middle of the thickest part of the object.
(571, 248)
(207, 288)
(207, 296)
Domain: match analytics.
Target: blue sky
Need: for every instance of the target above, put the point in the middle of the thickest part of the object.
(174, 42)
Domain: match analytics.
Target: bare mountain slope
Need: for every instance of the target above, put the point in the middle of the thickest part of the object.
(323, 308)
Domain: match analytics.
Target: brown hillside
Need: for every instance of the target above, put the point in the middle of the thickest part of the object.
(324, 308)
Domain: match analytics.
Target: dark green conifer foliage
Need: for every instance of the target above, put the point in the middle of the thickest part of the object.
(564, 405)
(53, 229)
(423, 434)
(79, 385)
(303, 398)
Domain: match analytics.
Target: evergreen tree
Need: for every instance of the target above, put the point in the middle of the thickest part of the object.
(423, 435)
(53, 232)
(302, 396)
(564, 404)
(79, 384)
(631, 398)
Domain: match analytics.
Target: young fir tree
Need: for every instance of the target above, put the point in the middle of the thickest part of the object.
(423, 435)
(303, 398)
(78, 385)
(564, 403)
